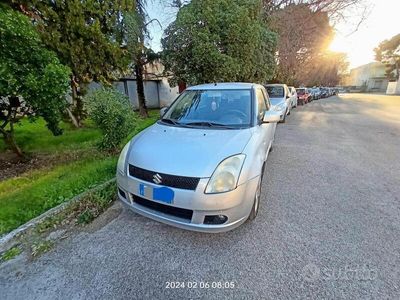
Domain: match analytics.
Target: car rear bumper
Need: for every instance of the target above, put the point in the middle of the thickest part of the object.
(190, 208)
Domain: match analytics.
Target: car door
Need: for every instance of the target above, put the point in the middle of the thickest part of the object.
(266, 130)
(294, 97)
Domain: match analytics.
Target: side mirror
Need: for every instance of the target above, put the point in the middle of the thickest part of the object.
(271, 117)
(163, 111)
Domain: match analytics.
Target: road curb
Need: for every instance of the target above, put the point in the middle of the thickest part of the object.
(8, 241)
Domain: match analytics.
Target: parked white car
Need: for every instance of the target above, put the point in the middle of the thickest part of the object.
(281, 100)
(200, 166)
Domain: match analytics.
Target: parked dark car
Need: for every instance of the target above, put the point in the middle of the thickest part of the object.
(324, 92)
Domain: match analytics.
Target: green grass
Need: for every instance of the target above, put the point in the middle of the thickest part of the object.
(29, 195)
(36, 138)
(26, 197)
(10, 254)
(41, 247)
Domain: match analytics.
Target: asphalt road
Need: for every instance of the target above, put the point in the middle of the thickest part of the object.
(329, 226)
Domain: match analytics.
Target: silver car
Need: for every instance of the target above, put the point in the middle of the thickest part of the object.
(280, 99)
(200, 166)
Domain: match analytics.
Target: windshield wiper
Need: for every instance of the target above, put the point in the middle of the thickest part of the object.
(209, 124)
(170, 121)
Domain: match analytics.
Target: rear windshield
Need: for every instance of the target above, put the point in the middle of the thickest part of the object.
(275, 91)
(300, 91)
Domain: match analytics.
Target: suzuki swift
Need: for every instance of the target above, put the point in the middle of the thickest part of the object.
(201, 165)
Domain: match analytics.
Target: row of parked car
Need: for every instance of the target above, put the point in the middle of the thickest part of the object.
(200, 167)
(285, 98)
(316, 93)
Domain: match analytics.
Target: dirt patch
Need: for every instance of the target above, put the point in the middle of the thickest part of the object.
(12, 166)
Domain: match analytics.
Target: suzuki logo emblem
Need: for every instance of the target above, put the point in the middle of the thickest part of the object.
(157, 178)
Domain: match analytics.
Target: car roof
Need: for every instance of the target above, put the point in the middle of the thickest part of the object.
(275, 84)
(224, 86)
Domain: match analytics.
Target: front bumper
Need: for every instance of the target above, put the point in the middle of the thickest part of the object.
(235, 205)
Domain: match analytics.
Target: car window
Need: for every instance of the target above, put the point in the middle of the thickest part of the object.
(211, 107)
(275, 91)
(261, 106)
(301, 91)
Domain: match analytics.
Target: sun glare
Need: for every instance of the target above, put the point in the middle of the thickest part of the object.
(359, 42)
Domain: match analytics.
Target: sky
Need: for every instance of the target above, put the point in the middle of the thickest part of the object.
(382, 22)
(158, 9)
(356, 40)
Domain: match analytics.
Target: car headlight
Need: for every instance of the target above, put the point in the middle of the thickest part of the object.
(122, 159)
(279, 107)
(226, 175)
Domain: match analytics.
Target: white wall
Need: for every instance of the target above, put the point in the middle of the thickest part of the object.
(393, 88)
(167, 93)
(150, 93)
(158, 93)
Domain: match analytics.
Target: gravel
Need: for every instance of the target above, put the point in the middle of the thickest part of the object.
(328, 226)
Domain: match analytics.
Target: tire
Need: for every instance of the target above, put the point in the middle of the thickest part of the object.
(284, 118)
(257, 196)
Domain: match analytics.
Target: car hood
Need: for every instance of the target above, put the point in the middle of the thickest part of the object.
(276, 101)
(192, 152)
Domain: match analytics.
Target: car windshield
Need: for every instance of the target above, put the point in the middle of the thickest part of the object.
(300, 91)
(275, 91)
(211, 108)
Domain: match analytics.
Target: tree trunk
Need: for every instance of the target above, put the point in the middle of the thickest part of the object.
(140, 90)
(10, 141)
(72, 117)
(75, 113)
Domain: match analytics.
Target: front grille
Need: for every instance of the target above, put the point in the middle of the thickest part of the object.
(166, 209)
(180, 182)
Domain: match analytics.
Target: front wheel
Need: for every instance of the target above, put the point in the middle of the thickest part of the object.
(284, 117)
(257, 196)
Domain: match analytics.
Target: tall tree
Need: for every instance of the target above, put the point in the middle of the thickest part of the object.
(86, 36)
(33, 83)
(336, 9)
(325, 69)
(219, 40)
(137, 34)
(303, 35)
(388, 52)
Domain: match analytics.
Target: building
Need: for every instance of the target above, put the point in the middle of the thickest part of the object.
(368, 78)
(393, 88)
(158, 92)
